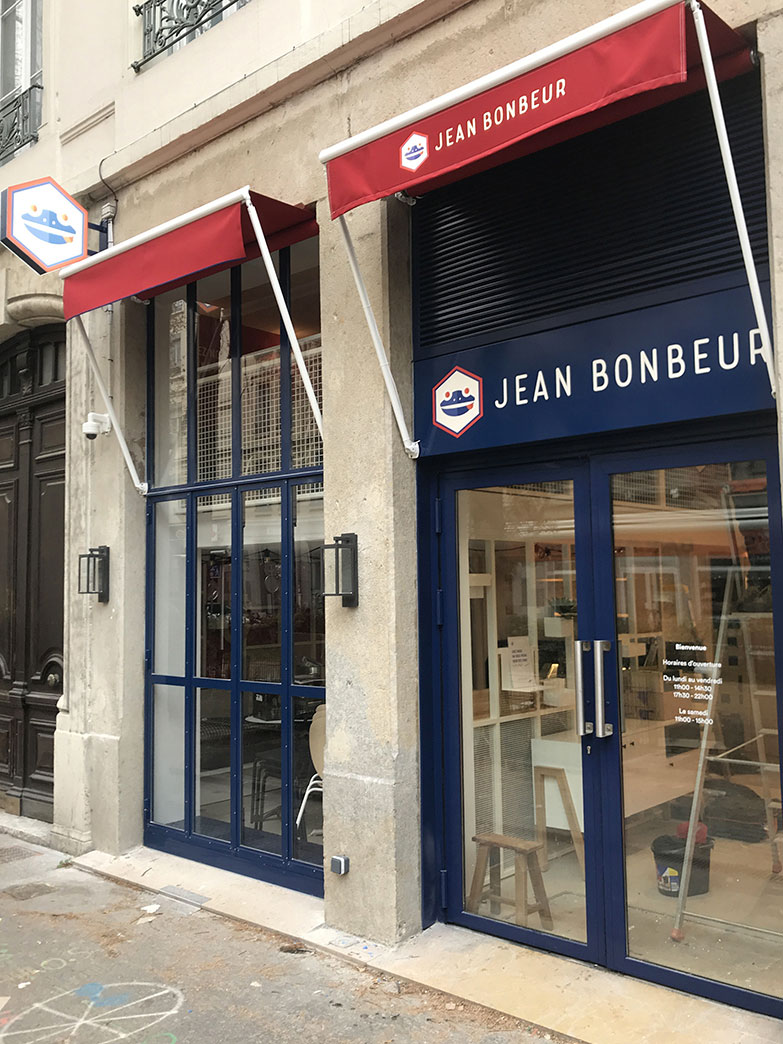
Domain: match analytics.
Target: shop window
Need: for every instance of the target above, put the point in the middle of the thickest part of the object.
(236, 620)
(21, 83)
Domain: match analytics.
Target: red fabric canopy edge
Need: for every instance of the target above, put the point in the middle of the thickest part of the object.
(209, 244)
(634, 68)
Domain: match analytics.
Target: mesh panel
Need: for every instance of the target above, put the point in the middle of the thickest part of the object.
(483, 775)
(637, 487)
(518, 800)
(698, 487)
(306, 445)
(261, 413)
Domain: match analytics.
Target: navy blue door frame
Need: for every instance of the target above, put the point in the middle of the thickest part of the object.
(590, 469)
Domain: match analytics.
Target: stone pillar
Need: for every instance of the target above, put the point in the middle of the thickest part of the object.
(99, 743)
(371, 777)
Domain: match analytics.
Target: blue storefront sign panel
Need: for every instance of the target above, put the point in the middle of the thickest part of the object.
(685, 360)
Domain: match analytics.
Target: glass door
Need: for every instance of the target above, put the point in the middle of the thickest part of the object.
(700, 757)
(612, 742)
(524, 708)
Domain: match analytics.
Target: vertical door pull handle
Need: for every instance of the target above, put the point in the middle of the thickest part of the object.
(583, 728)
(602, 727)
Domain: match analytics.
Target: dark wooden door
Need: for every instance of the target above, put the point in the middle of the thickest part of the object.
(32, 505)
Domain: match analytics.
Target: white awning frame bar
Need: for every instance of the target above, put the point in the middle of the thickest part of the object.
(238, 196)
(411, 448)
(567, 45)
(141, 487)
(734, 193)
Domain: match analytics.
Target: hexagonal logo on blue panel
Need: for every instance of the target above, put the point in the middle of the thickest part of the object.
(43, 225)
(457, 401)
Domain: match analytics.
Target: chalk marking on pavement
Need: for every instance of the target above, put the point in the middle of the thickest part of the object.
(3, 1002)
(93, 1020)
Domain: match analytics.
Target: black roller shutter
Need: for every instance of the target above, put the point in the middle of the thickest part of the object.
(635, 213)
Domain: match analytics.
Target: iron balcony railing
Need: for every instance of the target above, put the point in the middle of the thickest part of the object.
(166, 23)
(20, 118)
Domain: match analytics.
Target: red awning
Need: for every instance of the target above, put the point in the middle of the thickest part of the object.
(491, 120)
(167, 256)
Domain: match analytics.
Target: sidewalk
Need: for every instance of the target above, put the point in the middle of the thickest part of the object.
(557, 995)
(564, 996)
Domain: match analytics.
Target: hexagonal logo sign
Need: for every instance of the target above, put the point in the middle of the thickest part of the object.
(414, 151)
(43, 225)
(458, 401)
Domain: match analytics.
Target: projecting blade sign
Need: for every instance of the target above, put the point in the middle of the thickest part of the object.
(43, 225)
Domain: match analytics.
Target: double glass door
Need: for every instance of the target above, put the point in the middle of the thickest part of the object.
(615, 752)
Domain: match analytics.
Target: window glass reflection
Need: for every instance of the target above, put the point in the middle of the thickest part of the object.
(262, 588)
(309, 654)
(261, 435)
(213, 347)
(214, 586)
(306, 444)
(261, 772)
(697, 674)
(213, 763)
(171, 360)
(309, 741)
(168, 756)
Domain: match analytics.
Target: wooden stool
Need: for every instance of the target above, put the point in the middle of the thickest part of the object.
(525, 862)
(540, 775)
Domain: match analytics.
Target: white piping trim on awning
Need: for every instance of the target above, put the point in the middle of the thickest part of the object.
(570, 43)
(238, 196)
(606, 27)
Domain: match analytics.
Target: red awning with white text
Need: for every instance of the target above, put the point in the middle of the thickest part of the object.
(555, 94)
(168, 257)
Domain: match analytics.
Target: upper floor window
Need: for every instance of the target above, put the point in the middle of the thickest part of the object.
(169, 24)
(20, 73)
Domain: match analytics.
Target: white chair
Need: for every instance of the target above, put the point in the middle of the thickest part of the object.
(317, 744)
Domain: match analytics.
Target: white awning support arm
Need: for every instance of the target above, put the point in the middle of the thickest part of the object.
(411, 448)
(141, 487)
(736, 199)
(285, 315)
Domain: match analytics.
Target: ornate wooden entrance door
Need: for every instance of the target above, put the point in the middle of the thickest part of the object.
(32, 499)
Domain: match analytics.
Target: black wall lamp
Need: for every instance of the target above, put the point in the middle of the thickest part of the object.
(340, 569)
(94, 572)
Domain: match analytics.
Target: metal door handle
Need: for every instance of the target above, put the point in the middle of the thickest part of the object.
(583, 728)
(602, 727)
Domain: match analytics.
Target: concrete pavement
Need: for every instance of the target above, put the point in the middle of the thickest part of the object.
(87, 960)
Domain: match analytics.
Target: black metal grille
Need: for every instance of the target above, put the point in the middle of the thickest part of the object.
(20, 119)
(629, 212)
(167, 23)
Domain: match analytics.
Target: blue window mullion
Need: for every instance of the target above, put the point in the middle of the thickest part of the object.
(149, 633)
(286, 716)
(192, 386)
(236, 372)
(237, 757)
(190, 701)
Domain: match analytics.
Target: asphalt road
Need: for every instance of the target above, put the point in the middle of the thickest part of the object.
(84, 960)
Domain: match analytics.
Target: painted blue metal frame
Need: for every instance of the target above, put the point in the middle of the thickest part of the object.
(590, 464)
(233, 855)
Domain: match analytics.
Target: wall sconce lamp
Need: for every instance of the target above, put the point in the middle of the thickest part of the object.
(94, 572)
(340, 569)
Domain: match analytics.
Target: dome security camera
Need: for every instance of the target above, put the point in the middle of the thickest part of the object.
(95, 425)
